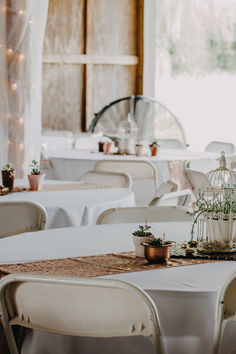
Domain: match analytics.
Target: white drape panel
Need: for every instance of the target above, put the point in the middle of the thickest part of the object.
(24, 22)
(3, 87)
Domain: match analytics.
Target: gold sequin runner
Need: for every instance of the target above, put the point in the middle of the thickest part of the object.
(62, 187)
(93, 266)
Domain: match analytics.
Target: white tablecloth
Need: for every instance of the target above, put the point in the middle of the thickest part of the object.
(71, 164)
(185, 296)
(75, 207)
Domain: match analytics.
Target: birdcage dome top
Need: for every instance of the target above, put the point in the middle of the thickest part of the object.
(222, 176)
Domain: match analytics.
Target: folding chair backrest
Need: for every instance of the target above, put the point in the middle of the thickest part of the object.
(78, 307)
(143, 174)
(105, 178)
(171, 144)
(181, 198)
(19, 217)
(218, 146)
(58, 133)
(138, 214)
(197, 180)
(225, 308)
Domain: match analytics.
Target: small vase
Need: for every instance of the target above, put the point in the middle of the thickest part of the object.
(139, 248)
(138, 150)
(8, 179)
(36, 181)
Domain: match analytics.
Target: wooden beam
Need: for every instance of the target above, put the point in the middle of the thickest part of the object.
(140, 46)
(91, 59)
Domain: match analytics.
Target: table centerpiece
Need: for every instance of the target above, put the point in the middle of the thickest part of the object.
(215, 220)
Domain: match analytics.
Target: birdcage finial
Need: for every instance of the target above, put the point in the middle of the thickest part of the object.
(222, 161)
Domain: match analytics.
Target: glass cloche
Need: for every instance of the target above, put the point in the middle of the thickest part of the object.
(222, 176)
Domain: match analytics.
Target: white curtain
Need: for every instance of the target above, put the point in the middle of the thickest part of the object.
(22, 31)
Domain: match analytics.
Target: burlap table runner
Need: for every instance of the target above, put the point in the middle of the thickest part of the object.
(91, 266)
(62, 187)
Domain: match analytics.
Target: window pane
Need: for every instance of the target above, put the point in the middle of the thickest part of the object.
(196, 66)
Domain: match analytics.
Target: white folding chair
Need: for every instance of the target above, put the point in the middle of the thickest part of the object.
(225, 308)
(78, 307)
(143, 174)
(105, 178)
(181, 198)
(19, 217)
(171, 144)
(197, 180)
(218, 146)
(138, 214)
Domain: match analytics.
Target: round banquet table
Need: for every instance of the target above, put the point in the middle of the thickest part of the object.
(185, 296)
(67, 208)
(63, 162)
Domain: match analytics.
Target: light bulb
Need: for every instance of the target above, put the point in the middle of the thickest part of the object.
(30, 21)
(21, 57)
(14, 86)
(9, 51)
(21, 12)
(20, 121)
(21, 146)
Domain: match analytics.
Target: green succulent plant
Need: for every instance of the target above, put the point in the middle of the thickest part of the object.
(35, 167)
(8, 167)
(142, 232)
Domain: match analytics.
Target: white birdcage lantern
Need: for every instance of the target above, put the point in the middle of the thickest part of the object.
(127, 133)
(216, 220)
(222, 176)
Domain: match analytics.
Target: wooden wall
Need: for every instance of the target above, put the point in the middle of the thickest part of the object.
(93, 54)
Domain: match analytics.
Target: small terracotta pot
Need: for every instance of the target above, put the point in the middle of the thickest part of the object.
(107, 147)
(36, 181)
(138, 150)
(154, 150)
(8, 179)
(158, 254)
(139, 248)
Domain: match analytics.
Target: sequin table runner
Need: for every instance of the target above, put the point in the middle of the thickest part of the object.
(62, 187)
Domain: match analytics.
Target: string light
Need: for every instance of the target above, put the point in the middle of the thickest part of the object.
(9, 51)
(21, 146)
(14, 86)
(21, 12)
(30, 21)
(20, 121)
(21, 57)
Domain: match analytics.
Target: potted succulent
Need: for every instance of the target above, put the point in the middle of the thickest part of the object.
(154, 146)
(8, 175)
(35, 177)
(138, 149)
(157, 250)
(140, 236)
